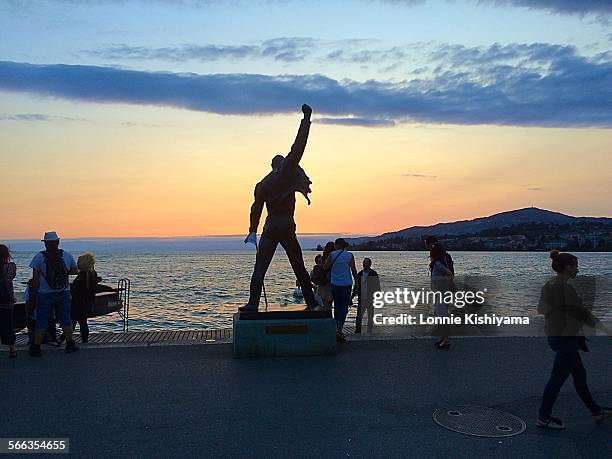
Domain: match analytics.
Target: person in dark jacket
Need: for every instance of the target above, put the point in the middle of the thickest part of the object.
(564, 316)
(322, 278)
(83, 290)
(277, 191)
(367, 284)
(8, 271)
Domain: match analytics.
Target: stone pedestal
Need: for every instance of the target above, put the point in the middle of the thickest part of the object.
(280, 333)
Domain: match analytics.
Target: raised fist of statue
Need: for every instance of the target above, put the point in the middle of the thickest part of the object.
(306, 110)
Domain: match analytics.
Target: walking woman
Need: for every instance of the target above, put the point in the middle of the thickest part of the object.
(442, 282)
(8, 271)
(343, 271)
(564, 315)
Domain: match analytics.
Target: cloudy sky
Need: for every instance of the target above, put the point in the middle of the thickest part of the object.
(157, 117)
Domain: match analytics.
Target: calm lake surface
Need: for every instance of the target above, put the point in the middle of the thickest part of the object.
(191, 288)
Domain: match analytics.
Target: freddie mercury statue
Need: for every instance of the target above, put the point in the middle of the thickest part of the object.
(277, 190)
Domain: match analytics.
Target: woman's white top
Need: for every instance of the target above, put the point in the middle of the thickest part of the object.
(341, 268)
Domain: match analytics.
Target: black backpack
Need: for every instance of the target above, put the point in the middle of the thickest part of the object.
(56, 273)
(320, 276)
(5, 290)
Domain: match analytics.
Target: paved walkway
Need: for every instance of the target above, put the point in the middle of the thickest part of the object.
(372, 399)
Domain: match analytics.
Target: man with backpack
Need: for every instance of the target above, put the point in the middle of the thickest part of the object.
(51, 270)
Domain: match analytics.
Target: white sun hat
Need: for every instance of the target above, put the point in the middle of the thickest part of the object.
(50, 236)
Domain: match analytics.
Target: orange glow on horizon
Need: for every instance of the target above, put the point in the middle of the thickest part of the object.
(182, 173)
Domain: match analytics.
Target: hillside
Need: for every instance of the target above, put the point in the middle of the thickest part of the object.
(522, 229)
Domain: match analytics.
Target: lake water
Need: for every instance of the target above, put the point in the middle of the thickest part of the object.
(191, 288)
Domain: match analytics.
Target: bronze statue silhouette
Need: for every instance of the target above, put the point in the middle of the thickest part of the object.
(277, 190)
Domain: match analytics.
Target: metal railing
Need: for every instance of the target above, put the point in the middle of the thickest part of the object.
(123, 294)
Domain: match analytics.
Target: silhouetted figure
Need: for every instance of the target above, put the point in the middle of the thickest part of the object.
(448, 262)
(8, 271)
(367, 284)
(322, 278)
(277, 191)
(341, 264)
(83, 290)
(564, 316)
(441, 281)
(51, 269)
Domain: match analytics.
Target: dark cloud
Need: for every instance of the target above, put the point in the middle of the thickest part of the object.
(534, 188)
(134, 124)
(362, 56)
(459, 55)
(419, 176)
(580, 7)
(287, 49)
(280, 49)
(363, 122)
(37, 117)
(179, 53)
(520, 85)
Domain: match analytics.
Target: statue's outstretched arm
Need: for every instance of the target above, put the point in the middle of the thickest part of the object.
(299, 145)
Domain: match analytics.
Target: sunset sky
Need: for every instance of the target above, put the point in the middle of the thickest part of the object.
(157, 118)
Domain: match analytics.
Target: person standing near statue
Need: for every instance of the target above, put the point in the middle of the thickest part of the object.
(367, 283)
(277, 191)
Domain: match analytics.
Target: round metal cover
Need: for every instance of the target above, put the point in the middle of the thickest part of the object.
(479, 421)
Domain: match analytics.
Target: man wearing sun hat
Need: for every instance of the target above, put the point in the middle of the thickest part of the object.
(51, 270)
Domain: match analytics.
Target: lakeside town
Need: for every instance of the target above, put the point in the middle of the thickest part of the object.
(579, 236)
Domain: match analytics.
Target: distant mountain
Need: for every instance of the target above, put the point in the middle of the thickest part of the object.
(477, 225)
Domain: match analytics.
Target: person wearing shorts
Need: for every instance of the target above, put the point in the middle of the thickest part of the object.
(51, 269)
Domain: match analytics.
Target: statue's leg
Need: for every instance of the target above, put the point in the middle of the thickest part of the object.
(294, 252)
(265, 252)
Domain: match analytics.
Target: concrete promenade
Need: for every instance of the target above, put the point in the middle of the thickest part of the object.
(375, 398)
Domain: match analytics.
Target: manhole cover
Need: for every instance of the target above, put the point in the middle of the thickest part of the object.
(479, 421)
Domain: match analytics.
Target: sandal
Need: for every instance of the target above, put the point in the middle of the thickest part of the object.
(446, 345)
(437, 343)
(13, 355)
(606, 412)
(552, 424)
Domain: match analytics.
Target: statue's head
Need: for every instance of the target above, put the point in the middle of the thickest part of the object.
(277, 162)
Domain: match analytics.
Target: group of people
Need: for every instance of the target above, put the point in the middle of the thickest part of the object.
(560, 304)
(336, 282)
(49, 297)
